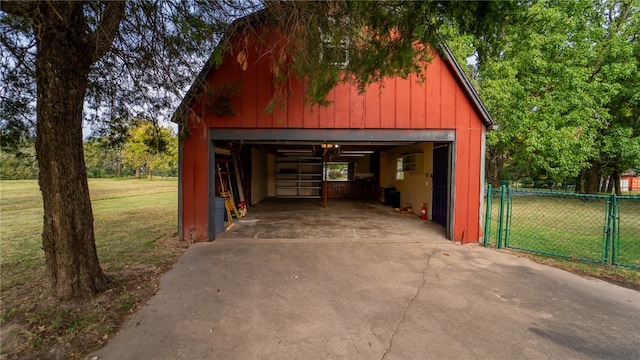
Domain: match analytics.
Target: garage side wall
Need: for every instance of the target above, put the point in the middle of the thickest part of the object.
(467, 194)
(416, 188)
(195, 186)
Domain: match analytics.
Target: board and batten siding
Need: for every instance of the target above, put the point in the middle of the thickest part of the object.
(438, 102)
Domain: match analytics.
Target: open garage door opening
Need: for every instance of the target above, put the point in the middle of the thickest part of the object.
(334, 188)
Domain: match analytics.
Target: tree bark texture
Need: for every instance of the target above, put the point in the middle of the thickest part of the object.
(615, 178)
(591, 178)
(65, 53)
(610, 184)
(494, 166)
(605, 182)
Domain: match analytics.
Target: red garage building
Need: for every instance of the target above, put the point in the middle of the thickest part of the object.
(425, 139)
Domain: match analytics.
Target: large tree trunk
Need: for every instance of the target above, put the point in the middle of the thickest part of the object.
(62, 68)
(615, 178)
(494, 166)
(604, 183)
(610, 185)
(591, 178)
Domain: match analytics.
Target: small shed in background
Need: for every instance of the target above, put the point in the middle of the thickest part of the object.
(630, 182)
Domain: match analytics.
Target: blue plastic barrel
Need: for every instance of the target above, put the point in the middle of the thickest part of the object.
(219, 214)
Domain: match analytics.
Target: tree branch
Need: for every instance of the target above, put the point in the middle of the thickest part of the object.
(103, 37)
(19, 8)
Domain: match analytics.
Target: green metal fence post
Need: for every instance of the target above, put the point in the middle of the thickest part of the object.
(609, 231)
(487, 216)
(615, 233)
(503, 190)
(507, 227)
(605, 232)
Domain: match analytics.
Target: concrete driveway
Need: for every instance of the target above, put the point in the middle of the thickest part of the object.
(432, 299)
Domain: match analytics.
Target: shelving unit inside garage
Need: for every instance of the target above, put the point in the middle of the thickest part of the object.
(299, 177)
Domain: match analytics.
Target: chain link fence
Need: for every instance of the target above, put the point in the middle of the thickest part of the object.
(627, 242)
(596, 228)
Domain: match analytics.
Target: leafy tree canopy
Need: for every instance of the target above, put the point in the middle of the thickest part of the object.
(19, 164)
(565, 88)
(151, 146)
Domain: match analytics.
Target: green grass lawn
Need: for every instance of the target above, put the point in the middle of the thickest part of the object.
(570, 226)
(135, 224)
(129, 216)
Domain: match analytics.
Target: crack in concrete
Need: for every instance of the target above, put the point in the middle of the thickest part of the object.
(406, 308)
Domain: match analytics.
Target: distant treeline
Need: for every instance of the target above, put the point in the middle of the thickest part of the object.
(143, 149)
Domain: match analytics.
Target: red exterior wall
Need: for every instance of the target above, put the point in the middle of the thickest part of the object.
(438, 103)
(634, 182)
